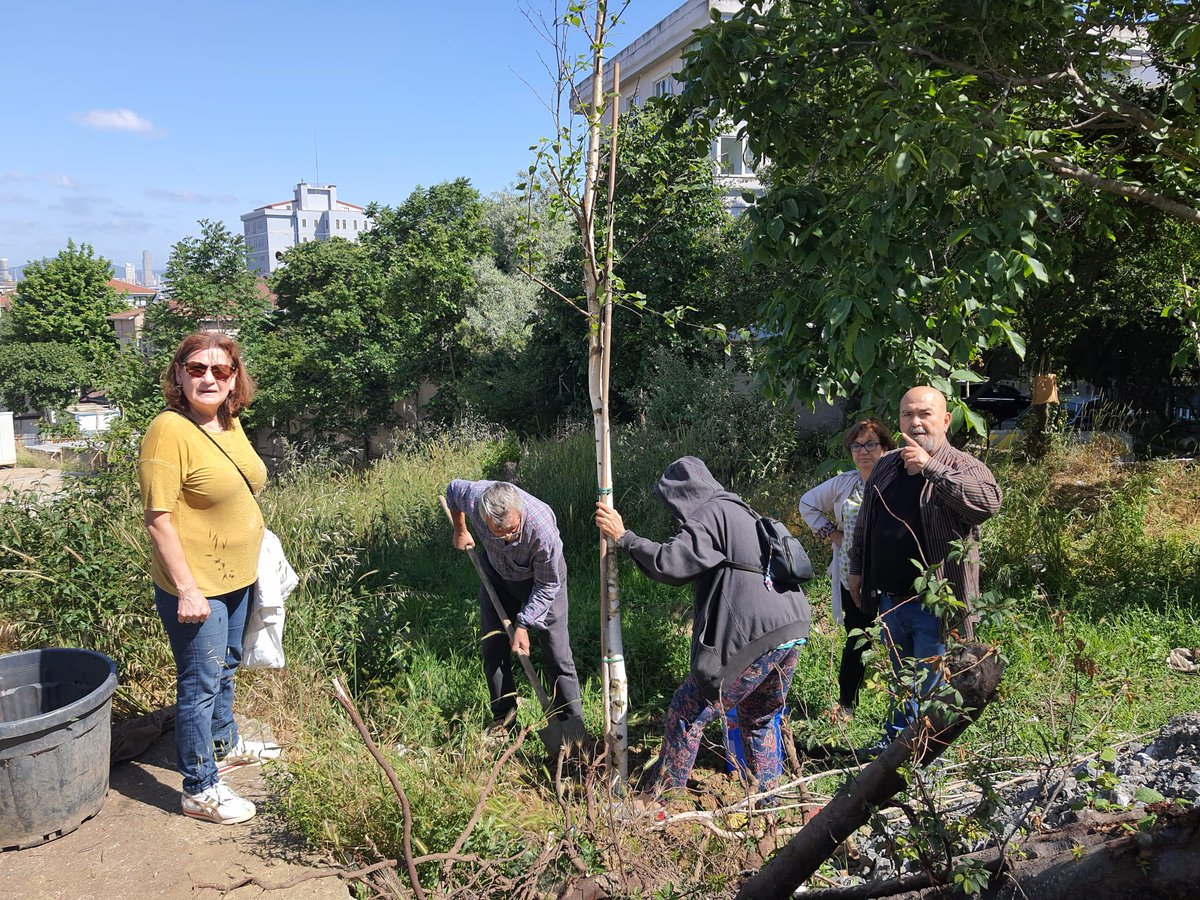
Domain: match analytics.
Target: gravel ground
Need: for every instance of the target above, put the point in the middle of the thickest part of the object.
(1168, 768)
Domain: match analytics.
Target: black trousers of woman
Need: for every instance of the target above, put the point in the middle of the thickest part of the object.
(852, 669)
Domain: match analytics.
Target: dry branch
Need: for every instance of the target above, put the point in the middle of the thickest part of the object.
(342, 697)
(484, 794)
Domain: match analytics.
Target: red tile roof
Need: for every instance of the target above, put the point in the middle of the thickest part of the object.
(125, 287)
(260, 285)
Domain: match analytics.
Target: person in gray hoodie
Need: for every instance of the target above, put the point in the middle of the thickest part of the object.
(746, 634)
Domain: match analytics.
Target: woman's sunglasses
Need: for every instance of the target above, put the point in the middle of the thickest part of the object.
(197, 369)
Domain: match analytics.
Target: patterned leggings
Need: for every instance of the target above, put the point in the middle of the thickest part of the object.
(759, 693)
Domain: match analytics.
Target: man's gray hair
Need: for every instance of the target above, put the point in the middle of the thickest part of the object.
(498, 501)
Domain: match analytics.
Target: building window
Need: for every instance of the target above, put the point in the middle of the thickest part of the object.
(304, 223)
(665, 87)
(732, 156)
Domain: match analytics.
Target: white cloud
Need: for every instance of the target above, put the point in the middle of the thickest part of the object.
(109, 226)
(188, 196)
(115, 120)
(80, 204)
(66, 182)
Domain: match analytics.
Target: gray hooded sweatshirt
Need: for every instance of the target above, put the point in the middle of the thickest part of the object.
(736, 618)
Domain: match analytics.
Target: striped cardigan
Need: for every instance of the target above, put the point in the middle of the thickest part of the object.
(959, 495)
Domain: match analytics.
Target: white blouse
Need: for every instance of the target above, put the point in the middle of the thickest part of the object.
(825, 506)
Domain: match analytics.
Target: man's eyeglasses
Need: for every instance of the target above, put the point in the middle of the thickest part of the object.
(869, 446)
(506, 533)
(220, 371)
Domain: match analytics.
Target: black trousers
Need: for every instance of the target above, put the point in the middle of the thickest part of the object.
(852, 669)
(558, 664)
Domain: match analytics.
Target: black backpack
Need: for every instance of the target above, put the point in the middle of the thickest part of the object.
(785, 566)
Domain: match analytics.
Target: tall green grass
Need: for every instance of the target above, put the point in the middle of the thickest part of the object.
(387, 603)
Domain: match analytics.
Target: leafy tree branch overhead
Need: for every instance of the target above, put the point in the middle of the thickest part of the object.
(920, 153)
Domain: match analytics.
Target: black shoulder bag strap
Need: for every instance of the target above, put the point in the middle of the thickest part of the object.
(222, 449)
(759, 569)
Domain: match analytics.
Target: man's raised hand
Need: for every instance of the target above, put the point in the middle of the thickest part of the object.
(913, 454)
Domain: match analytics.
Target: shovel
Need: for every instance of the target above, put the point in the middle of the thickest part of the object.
(558, 735)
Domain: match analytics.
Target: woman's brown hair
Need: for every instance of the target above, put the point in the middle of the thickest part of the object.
(243, 387)
(882, 433)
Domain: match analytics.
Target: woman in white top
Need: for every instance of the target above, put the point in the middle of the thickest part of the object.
(829, 510)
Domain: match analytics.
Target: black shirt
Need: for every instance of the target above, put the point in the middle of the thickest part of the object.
(891, 545)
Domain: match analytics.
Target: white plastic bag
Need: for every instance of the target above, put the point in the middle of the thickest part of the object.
(262, 641)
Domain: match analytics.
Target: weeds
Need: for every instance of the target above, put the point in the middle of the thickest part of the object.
(1101, 560)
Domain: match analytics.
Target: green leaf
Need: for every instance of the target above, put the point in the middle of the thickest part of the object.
(1035, 266)
(1147, 795)
(975, 421)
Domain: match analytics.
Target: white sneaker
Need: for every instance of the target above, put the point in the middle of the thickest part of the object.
(247, 753)
(218, 804)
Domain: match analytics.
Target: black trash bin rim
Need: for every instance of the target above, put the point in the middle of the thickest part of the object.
(63, 714)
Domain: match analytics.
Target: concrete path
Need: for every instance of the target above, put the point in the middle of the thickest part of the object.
(44, 481)
(140, 846)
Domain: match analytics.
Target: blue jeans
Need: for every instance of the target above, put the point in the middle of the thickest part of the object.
(206, 656)
(910, 632)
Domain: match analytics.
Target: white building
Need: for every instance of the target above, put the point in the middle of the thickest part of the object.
(648, 66)
(149, 279)
(316, 214)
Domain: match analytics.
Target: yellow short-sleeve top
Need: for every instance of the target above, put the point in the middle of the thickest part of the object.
(219, 523)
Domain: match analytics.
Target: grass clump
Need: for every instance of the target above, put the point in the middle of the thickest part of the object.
(1101, 560)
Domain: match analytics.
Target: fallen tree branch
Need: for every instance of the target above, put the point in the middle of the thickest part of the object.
(975, 675)
(1098, 856)
(348, 874)
(342, 697)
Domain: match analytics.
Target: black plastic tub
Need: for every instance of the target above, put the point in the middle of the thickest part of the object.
(55, 732)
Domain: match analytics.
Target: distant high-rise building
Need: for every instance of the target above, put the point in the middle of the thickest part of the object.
(4, 274)
(148, 279)
(316, 214)
(129, 276)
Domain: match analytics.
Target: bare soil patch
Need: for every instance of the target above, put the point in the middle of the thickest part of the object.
(140, 845)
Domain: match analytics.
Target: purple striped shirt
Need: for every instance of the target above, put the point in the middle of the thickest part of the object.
(959, 494)
(537, 552)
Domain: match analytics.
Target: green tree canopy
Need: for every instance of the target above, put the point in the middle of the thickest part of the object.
(66, 300)
(920, 155)
(681, 284)
(426, 247)
(207, 281)
(44, 376)
(329, 362)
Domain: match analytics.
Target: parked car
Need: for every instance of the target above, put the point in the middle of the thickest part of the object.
(1180, 438)
(1091, 412)
(1000, 401)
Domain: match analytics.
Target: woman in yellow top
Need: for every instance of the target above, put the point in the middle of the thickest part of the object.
(198, 475)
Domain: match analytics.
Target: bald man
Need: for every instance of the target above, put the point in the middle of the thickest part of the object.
(920, 498)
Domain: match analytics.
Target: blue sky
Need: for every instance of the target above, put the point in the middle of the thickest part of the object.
(128, 121)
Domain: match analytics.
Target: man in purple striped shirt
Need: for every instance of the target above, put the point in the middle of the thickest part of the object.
(918, 500)
(523, 560)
